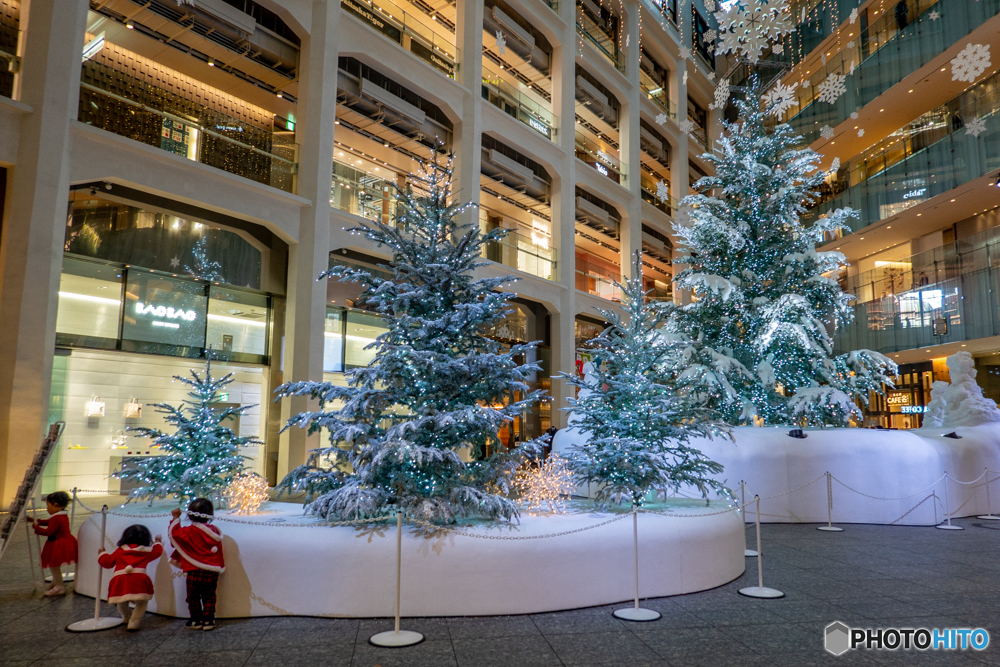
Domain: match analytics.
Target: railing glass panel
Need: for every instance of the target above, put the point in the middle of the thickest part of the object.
(410, 30)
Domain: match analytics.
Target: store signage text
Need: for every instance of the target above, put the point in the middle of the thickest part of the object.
(919, 192)
(914, 409)
(165, 311)
(538, 125)
(897, 398)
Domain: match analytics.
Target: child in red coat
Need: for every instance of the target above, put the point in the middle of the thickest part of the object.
(198, 551)
(60, 546)
(130, 583)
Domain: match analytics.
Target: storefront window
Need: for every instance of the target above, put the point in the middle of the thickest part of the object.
(237, 323)
(163, 311)
(333, 341)
(362, 330)
(90, 299)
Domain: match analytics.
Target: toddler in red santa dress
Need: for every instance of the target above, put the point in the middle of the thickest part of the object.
(130, 583)
(198, 551)
(60, 545)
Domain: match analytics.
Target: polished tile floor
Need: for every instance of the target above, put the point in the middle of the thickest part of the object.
(867, 576)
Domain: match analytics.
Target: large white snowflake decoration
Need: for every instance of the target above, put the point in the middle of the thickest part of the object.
(934, 15)
(835, 166)
(501, 43)
(748, 26)
(826, 132)
(686, 126)
(662, 191)
(685, 53)
(970, 62)
(779, 99)
(854, 15)
(975, 127)
(722, 93)
(661, 118)
(710, 36)
(832, 88)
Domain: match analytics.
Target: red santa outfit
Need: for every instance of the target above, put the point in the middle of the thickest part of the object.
(196, 547)
(130, 582)
(60, 547)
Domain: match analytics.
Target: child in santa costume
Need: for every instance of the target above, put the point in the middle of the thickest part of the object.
(198, 551)
(60, 545)
(130, 583)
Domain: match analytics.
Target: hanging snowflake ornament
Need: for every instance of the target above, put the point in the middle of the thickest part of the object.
(686, 126)
(501, 43)
(854, 16)
(934, 15)
(975, 127)
(661, 118)
(749, 26)
(832, 88)
(685, 53)
(710, 36)
(778, 49)
(779, 99)
(826, 132)
(662, 191)
(861, 132)
(854, 115)
(835, 166)
(722, 93)
(970, 63)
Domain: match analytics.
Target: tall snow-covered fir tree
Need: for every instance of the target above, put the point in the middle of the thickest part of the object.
(639, 407)
(437, 387)
(762, 293)
(201, 458)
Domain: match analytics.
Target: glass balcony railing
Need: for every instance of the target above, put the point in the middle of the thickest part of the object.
(876, 64)
(513, 102)
(358, 192)
(929, 157)
(648, 185)
(657, 94)
(666, 8)
(411, 31)
(597, 277)
(264, 155)
(530, 254)
(600, 40)
(590, 152)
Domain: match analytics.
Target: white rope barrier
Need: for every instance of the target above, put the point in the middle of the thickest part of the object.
(909, 495)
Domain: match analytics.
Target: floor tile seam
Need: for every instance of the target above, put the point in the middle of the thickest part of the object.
(547, 642)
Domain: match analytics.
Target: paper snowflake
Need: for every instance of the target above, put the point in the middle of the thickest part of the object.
(747, 27)
(686, 126)
(722, 93)
(662, 191)
(854, 16)
(861, 132)
(826, 132)
(778, 49)
(628, 38)
(854, 115)
(710, 36)
(685, 53)
(832, 88)
(779, 99)
(975, 127)
(850, 44)
(661, 118)
(685, 77)
(501, 43)
(835, 166)
(934, 15)
(805, 85)
(711, 77)
(970, 62)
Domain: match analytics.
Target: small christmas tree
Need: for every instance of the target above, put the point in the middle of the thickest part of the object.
(640, 405)
(437, 387)
(763, 294)
(201, 458)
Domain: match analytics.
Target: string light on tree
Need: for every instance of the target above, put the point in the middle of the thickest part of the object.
(246, 494)
(545, 487)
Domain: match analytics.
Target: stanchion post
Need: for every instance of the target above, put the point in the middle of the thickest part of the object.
(829, 527)
(38, 543)
(31, 559)
(947, 507)
(98, 622)
(397, 638)
(760, 591)
(747, 553)
(636, 613)
(989, 510)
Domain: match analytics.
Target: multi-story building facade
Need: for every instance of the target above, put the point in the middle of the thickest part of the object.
(918, 146)
(177, 173)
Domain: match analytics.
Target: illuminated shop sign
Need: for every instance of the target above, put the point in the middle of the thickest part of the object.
(914, 409)
(897, 398)
(913, 194)
(538, 125)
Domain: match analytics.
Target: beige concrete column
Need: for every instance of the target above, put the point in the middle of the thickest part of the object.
(679, 158)
(468, 131)
(306, 304)
(31, 245)
(563, 329)
(631, 228)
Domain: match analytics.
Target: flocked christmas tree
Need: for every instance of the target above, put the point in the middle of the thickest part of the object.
(437, 387)
(762, 293)
(639, 407)
(201, 458)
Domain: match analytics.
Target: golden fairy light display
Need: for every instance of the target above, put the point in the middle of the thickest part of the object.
(543, 488)
(246, 494)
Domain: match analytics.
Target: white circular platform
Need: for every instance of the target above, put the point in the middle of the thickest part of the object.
(290, 568)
